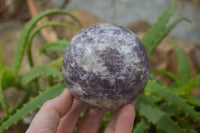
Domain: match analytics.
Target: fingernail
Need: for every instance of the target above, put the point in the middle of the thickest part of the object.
(134, 103)
(65, 91)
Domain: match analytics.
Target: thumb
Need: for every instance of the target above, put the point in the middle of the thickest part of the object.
(48, 117)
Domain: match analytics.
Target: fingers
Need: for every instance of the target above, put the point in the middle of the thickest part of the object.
(111, 126)
(122, 121)
(48, 118)
(68, 122)
(91, 121)
(125, 119)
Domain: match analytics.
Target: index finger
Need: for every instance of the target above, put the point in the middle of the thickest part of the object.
(122, 120)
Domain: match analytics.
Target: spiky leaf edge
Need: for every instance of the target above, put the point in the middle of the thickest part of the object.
(153, 114)
(170, 75)
(165, 32)
(151, 36)
(141, 126)
(160, 91)
(37, 29)
(54, 43)
(26, 32)
(183, 64)
(32, 106)
(2, 99)
(37, 71)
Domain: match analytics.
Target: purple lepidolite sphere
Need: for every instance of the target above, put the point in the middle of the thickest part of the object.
(105, 66)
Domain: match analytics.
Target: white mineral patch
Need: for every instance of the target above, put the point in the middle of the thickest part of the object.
(107, 26)
(112, 81)
(121, 77)
(125, 49)
(76, 88)
(90, 101)
(108, 103)
(103, 46)
(131, 40)
(91, 62)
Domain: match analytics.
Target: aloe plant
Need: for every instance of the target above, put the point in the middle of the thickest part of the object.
(11, 77)
(160, 108)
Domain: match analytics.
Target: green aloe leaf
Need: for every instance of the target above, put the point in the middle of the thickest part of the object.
(183, 64)
(141, 127)
(153, 114)
(151, 37)
(170, 75)
(106, 119)
(37, 29)
(158, 90)
(169, 109)
(1, 59)
(192, 84)
(7, 79)
(56, 46)
(26, 32)
(156, 79)
(32, 106)
(38, 71)
(56, 63)
(166, 31)
(2, 100)
(18, 105)
(194, 100)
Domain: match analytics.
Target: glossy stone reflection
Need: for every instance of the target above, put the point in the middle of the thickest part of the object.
(105, 66)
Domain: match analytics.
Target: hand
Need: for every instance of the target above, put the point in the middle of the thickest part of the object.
(61, 114)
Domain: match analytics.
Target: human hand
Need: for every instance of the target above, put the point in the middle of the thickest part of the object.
(61, 114)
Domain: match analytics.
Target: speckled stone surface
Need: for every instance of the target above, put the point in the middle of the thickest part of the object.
(105, 66)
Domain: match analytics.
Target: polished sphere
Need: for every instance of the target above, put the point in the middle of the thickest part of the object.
(105, 66)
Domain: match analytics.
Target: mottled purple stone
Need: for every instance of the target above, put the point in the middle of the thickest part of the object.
(105, 66)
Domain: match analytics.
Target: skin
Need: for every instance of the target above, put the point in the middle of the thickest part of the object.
(61, 114)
